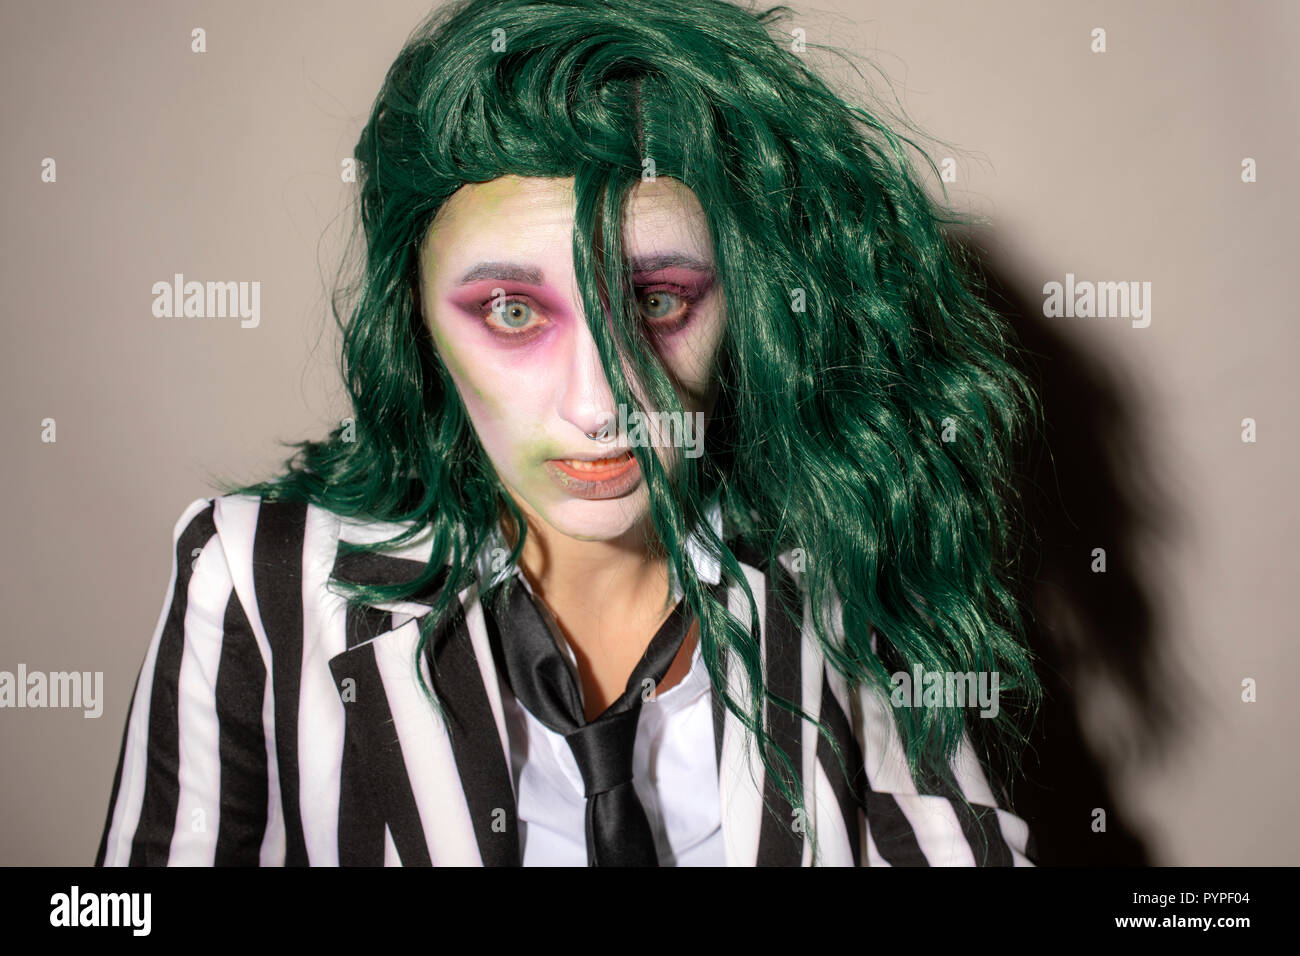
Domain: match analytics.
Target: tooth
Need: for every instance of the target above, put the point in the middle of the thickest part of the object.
(580, 464)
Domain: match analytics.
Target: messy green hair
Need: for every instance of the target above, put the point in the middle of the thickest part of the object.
(868, 407)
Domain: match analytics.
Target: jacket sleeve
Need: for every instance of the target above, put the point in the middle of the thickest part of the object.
(191, 786)
(934, 825)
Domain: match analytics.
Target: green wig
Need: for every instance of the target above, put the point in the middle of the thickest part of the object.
(868, 406)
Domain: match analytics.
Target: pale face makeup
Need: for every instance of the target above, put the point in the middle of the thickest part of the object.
(500, 296)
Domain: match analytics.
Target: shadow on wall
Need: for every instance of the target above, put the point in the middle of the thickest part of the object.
(1111, 695)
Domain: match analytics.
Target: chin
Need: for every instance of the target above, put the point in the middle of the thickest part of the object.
(601, 520)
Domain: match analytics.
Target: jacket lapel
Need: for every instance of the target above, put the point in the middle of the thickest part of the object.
(755, 834)
(739, 774)
(466, 681)
(442, 783)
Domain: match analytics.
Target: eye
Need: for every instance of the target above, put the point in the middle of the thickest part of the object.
(664, 310)
(511, 317)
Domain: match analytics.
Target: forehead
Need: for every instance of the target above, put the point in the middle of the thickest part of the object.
(525, 215)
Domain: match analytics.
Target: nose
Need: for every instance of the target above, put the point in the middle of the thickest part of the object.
(587, 401)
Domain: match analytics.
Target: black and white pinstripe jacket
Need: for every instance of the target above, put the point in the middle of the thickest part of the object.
(272, 725)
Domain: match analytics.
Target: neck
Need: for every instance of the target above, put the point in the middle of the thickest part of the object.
(590, 576)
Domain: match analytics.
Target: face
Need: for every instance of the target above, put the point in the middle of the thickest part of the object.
(500, 295)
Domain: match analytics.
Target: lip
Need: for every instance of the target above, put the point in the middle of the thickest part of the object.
(593, 484)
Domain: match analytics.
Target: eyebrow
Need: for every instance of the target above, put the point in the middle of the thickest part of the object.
(515, 272)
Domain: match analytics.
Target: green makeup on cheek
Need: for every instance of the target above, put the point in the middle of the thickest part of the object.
(448, 353)
(529, 452)
(531, 487)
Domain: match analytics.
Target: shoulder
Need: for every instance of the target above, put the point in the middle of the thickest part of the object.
(253, 528)
(271, 549)
(791, 573)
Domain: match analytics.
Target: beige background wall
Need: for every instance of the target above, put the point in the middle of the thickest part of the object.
(1121, 166)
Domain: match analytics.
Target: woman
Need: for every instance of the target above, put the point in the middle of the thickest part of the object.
(678, 452)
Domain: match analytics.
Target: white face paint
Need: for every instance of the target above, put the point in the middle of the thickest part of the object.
(501, 298)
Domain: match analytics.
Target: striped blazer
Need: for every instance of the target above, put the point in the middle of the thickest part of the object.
(272, 725)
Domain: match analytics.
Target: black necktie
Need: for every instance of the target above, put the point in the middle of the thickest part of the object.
(618, 832)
